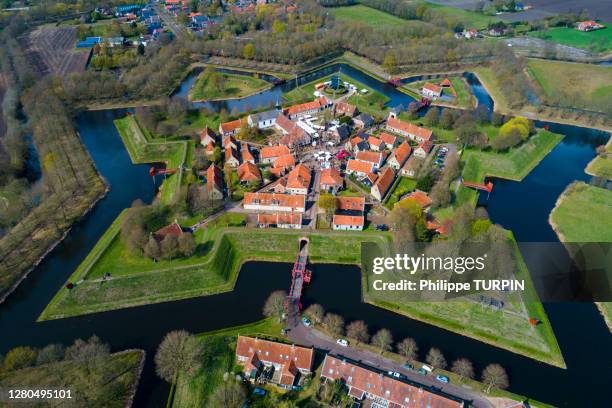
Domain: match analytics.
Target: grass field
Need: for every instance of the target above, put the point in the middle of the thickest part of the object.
(108, 383)
(402, 186)
(583, 214)
(232, 87)
(514, 164)
(462, 99)
(597, 41)
(470, 19)
(587, 86)
(367, 15)
(489, 80)
(601, 166)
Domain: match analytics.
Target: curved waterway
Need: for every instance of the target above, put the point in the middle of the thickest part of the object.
(522, 207)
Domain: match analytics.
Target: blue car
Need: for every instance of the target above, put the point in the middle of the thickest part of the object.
(259, 391)
(442, 378)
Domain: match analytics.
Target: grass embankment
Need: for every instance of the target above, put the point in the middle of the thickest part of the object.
(214, 268)
(462, 98)
(605, 308)
(402, 186)
(142, 149)
(601, 166)
(229, 86)
(508, 328)
(118, 375)
(488, 78)
(514, 164)
(582, 86)
(597, 41)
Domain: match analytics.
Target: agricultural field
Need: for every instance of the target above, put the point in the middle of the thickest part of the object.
(597, 41)
(50, 50)
(228, 86)
(587, 86)
(367, 15)
(582, 214)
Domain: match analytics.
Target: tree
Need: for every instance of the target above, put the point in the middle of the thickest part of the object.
(248, 52)
(328, 203)
(152, 249)
(169, 246)
(440, 193)
(230, 394)
(436, 358)
(179, 353)
(315, 312)
(186, 244)
(447, 119)
(278, 27)
(90, 353)
(334, 323)
(494, 375)
(432, 116)
(19, 357)
(425, 183)
(390, 62)
(275, 305)
(408, 348)
(383, 340)
(358, 330)
(463, 368)
(50, 354)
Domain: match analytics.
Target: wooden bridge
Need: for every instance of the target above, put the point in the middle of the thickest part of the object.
(299, 277)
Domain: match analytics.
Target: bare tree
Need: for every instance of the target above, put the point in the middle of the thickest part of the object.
(334, 323)
(494, 375)
(89, 352)
(230, 394)
(275, 305)
(436, 358)
(179, 353)
(383, 340)
(358, 330)
(463, 367)
(315, 312)
(408, 348)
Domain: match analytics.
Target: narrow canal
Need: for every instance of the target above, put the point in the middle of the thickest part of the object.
(584, 338)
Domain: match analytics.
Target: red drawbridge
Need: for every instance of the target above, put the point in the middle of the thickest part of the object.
(479, 186)
(299, 277)
(157, 171)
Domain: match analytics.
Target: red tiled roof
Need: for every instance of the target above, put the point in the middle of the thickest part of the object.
(207, 132)
(172, 229)
(359, 166)
(279, 219)
(286, 160)
(372, 177)
(387, 138)
(230, 153)
(432, 87)
(284, 123)
(426, 145)
(350, 203)
(299, 177)
(345, 108)
(409, 128)
(230, 126)
(357, 220)
(398, 393)
(420, 197)
(374, 141)
(330, 177)
(371, 157)
(246, 153)
(303, 107)
(279, 200)
(273, 151)
(247, 171)
(446, 82)
(384, 181)
(402, 152)
(214, 178)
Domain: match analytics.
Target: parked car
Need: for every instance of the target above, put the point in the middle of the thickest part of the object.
(408, 366)
(342, 342)
(427, 368)
(394, 374)
(259, 391)
(306, 321)
(442, 378)
(422, 371)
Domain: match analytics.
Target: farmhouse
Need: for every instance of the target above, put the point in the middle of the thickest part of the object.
(263, 120)
(282, 363)
(274, 202)
(359, 168)
(230, 128)
(430, 90)
(214, 183)
(331, 180)
(280, 220)
(399, 156)
(414, 132)
(270, 153)
(383, 183)
(342, 222)
(248, 173)
(382, 391)
(350, 204)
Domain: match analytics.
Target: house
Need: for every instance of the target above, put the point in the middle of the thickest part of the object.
(399, 156)
(246, 154)
(263, 120)
(338, 133)
(248, 173)
(214, 183)
(409, 169)
(210, 149)
(171, 229)
(346, 203)
(446, 83)
(389, 140)
(274, 202)
(588, 25)
(383, 183)
(282, 164)
(423, 149)
(370, 179)
(396, 110)
(375, 143)
(420, 197)
(381, 390)
(363, 121)
(286, 363)
(270, 153)
(298, 180)
(280, 220)
(207, 136)
(293, 134)
(308, 108)
(229, 141)
(331, 180)
(343, 108)
(357, 144)
(359, 168)
(231, 157)
(431, 91)
(342, 222)
(406, 129)
(376, 158)
(230, 128)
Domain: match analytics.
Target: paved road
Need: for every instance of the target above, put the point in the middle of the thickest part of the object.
(170, 22)
(311, 337)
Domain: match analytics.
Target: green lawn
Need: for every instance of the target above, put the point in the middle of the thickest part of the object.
(402, 186)
(109, 382)
(583, 214)
(233, 86)
(448, 135)
(587, 86)
(470, 19)
(514, 164)
(463, 98)
(367, 15)
(601, 166)
(597, 41)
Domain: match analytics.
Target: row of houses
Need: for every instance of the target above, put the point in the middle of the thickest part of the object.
(288, 366)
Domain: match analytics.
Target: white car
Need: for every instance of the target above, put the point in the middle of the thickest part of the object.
(342, 342)
(394, 374)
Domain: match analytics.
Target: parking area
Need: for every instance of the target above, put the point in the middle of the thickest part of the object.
(442, 153)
